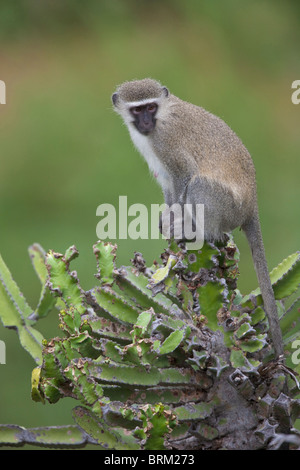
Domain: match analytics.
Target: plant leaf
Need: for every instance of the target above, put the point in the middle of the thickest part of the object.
(171, 342)
(105, 253)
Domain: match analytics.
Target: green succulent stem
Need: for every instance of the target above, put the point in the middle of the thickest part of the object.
(157, 356)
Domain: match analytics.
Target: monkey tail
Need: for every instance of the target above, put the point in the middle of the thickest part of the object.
(252, 230)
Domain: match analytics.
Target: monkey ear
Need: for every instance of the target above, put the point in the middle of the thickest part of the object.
(114, 98)
(165, 91)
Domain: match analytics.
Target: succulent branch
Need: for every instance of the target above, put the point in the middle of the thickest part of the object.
(170, 356)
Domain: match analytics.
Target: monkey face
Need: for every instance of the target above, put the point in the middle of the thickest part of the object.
(138, 102)
(144, 117)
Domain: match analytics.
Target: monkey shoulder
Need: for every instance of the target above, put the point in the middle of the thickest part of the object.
(210, 138)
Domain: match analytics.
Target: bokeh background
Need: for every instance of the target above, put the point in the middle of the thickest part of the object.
(63, 151)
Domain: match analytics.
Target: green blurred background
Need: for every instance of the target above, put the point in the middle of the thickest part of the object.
(63, 151)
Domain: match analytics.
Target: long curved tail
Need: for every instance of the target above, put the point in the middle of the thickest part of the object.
(253, 232)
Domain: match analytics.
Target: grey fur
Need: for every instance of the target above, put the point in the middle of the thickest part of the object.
(200, 160)
(139, 90)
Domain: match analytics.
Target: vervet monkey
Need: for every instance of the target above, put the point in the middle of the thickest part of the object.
(198, 159)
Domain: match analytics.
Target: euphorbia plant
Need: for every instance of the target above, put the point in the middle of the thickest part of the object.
(169, 356)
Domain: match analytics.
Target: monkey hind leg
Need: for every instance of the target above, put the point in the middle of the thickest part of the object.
(222, 213)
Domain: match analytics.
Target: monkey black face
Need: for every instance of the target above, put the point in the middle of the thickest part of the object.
(144, 117)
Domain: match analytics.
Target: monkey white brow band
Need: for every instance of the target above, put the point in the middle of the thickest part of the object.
(133, 104)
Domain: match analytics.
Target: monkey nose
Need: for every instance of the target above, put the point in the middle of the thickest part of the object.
(146, 119)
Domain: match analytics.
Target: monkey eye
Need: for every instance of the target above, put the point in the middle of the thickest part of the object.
(152, 107)
(136, 110)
